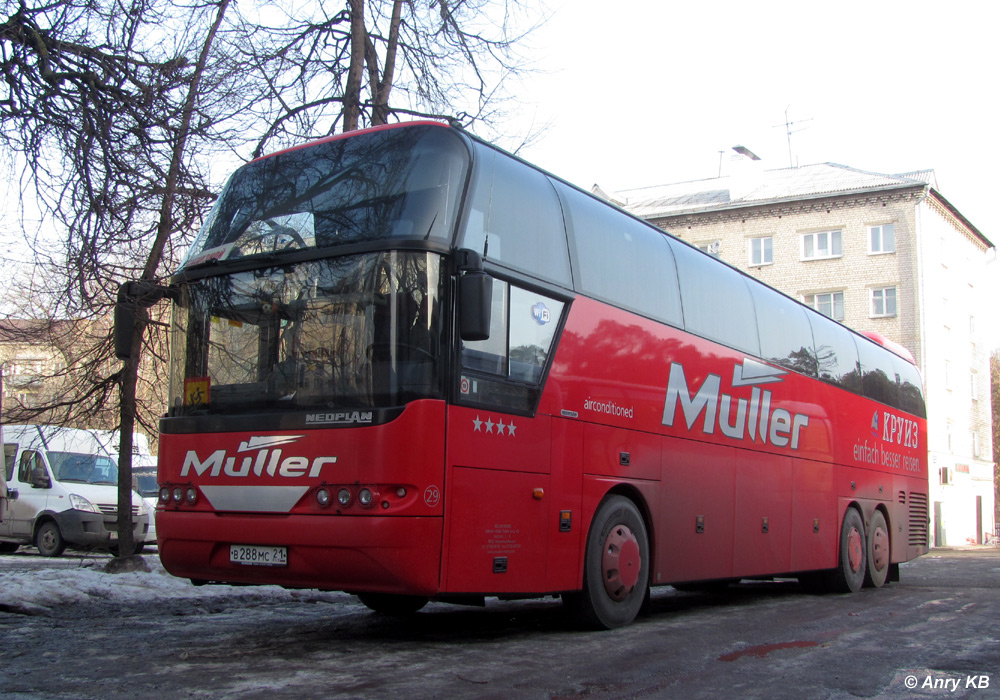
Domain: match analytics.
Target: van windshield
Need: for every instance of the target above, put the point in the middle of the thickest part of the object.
(83, 468)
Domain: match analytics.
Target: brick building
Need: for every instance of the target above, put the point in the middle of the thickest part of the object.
(883, 253)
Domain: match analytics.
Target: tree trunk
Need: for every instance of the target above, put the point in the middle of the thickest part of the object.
(352, 91)
(165, 226)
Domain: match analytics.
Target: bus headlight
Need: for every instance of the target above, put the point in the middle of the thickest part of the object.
(365, 497)
(344, 497)
(323, 498)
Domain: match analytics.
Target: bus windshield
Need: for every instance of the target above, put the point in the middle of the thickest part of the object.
(384, 184)
(354, 331)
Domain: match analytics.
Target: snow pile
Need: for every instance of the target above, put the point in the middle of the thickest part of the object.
(39, 591)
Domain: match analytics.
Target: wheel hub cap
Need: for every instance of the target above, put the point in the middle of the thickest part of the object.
(880, 548)
(855, 550)
(621, 562)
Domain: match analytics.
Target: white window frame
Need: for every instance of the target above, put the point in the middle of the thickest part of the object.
(877, 242)
(760, 251)
(880, 295)
(814, 301)
(810, 245)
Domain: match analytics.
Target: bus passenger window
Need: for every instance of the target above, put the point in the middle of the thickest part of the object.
(604, 240)
(836, 353)
(785, 335)
(878, 375)
(911, 392)
(716, 301)
(515, 218)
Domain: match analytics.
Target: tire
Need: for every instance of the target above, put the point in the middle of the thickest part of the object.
(390, 604)
(49, 540)
(852, 566)
(615, 567)
(878, 552)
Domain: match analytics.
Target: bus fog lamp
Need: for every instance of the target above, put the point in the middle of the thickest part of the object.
(344, 497)
(401, 492)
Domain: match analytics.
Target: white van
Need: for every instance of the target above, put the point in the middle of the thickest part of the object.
(62, 489)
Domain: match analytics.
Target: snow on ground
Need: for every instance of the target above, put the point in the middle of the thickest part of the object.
(35, 586)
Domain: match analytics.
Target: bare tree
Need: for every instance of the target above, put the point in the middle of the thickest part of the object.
(118, 110)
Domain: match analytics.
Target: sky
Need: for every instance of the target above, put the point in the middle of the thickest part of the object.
(648, 92)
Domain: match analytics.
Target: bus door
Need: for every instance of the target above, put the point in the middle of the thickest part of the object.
(499, 500)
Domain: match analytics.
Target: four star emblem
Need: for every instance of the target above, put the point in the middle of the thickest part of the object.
(494, 428)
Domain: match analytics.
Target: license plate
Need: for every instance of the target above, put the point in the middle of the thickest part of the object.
(254, 555)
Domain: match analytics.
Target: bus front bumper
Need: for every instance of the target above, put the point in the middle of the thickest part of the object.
(373, 554)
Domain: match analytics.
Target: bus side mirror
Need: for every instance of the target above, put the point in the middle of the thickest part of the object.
(475, 300)
(475, 297)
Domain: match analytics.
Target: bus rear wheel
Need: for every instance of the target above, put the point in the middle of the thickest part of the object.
(877, 552)
(853, 558)
(616, 566)
(390, 604)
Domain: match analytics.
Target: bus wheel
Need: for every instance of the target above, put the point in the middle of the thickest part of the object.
(878, 552)
(49, 540)
(850, 573)
(390, 604)
(616, 565)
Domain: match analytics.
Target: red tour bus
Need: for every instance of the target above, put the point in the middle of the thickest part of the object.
(408, 365)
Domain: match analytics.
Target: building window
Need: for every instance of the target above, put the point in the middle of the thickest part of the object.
(884, 302)
(710, 247)
(881, 239)
(828, 303)
(975, 444)
(821, 244)
(761, 251)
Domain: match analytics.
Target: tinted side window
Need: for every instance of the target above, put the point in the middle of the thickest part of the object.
(911, 393)
(506, 369)
(516, 218)
(717, 304)
(785, 334)
(621, 260)
(836, 353)
(878, 373)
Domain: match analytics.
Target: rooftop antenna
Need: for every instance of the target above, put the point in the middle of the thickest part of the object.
(789, 131)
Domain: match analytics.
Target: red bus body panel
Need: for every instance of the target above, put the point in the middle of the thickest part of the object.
(394, 546)
(740, 467)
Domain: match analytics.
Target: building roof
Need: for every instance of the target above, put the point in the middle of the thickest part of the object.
(757, 186)
(751, 185)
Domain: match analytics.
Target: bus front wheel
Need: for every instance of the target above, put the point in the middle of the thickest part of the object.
(616, 566)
